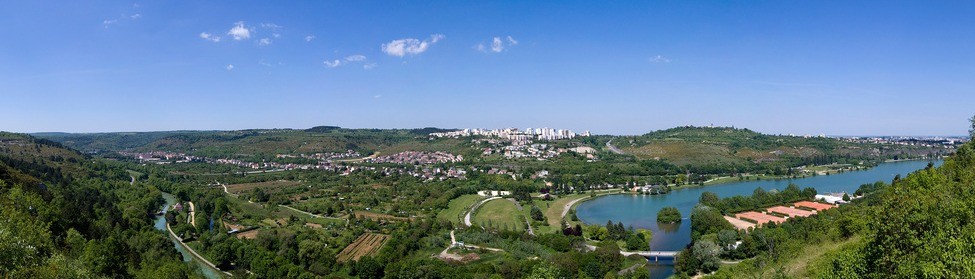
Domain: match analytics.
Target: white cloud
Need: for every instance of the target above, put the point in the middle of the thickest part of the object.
(239, 31)
(309, 38)
(377, 96)
(271, 26)
(659, 59)
(355, 58)
(108, 22)
(333, 63)
(369, 66)
(135, 16)
(410, 46)
(230, 67)
(210, 37)
(264, 42)
(497, 45)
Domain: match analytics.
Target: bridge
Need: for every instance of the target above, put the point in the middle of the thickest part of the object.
(655, 255)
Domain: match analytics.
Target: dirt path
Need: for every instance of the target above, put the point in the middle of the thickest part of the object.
(609, 145)
(454, 243)
(568, 206)
(192, 214)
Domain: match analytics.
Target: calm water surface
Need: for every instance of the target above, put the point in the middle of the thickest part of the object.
(160, 224)
(640, 211)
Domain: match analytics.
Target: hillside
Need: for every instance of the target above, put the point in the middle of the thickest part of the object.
(264, 143)
(65, 216)
(919, 226)
(705, 146)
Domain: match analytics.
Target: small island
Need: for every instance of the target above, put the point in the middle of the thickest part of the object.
(668, 215)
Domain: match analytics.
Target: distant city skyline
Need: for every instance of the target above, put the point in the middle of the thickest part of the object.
(622, 68)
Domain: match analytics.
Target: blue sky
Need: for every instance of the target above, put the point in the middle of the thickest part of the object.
(619, 67)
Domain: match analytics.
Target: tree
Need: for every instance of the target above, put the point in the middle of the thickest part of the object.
(709, 198)
(636, 242)
(727, 238)
(668, 215)
(846, 197)
(971, 129)
(705, 220)
(537, 214)
(544, 271)
(707, 253)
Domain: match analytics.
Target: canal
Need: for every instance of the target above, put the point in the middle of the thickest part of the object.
(640, 211)
(160, 224)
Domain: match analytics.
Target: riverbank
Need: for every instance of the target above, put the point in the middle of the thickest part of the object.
(206, 268)
(193, 252)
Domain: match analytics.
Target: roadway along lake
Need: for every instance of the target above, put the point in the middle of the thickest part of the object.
(640, 211)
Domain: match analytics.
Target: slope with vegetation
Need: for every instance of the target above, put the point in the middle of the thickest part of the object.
(704, 149)
(65, 216)
(920, 226)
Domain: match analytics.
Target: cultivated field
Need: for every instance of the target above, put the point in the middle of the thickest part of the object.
(366, 245)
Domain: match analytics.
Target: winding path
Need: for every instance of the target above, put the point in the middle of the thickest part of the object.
(467, 217)
(454, 243)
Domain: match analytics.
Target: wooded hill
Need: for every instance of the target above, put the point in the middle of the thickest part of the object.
(63, 215)
(701, 147)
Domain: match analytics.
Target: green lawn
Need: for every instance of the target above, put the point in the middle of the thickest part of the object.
(500, 213)
(458, 207)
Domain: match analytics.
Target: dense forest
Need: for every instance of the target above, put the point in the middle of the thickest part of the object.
(63, 215)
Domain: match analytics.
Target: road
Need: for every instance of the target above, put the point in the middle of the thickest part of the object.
(133, 180)
(467, 218)
(609, 145)
(374, 155)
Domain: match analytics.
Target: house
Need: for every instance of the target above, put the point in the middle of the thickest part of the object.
(832, 198)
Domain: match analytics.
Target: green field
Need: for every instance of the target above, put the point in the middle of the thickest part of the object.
(501, 214)
(458, 207)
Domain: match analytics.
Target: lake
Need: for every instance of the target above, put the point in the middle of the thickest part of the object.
(640, 211)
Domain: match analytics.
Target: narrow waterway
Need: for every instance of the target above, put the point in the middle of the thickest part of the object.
(640, 211)
(160, 224)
